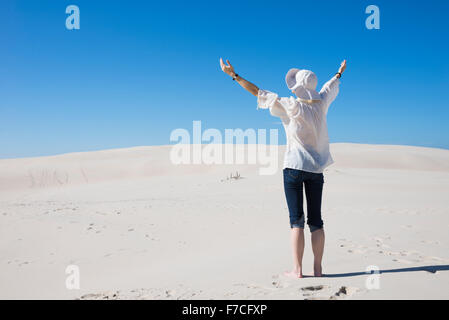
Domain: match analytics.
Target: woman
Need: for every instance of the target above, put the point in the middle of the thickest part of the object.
(307, 153)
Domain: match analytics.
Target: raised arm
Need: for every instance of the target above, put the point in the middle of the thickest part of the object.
(229, 69)
(329, 91)
(341, 69)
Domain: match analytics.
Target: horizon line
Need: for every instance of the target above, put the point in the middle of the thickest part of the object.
(235, 144)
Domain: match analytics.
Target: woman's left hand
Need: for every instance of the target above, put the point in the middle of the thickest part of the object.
(227, 69)
(342, 67)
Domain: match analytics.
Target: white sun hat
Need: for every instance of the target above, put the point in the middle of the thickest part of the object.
(303, 82)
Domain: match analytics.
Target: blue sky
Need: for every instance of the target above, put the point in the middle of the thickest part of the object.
(136, 70)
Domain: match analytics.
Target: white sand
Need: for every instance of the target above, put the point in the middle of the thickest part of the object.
(139, 227)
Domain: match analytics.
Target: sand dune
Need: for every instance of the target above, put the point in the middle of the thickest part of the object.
(139, 227)
(147, 162)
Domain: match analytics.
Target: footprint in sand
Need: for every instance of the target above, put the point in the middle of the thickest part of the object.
(357, 251)
(346, 244)
(279, 284)
(392, 253)
(344, 292)
(101, 296)
(321, 292)
(310, 292)
(403, 261)
(169, 293)
(314, 288)
(353, 248)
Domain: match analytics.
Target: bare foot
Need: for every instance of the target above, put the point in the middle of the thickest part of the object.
(293, 274)
(317, 271)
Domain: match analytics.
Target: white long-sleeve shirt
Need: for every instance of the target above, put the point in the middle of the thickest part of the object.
(305, 127)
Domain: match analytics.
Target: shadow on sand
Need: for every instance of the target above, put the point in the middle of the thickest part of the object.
(431, 269)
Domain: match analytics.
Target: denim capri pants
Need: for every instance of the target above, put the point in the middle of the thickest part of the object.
(294, 183)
